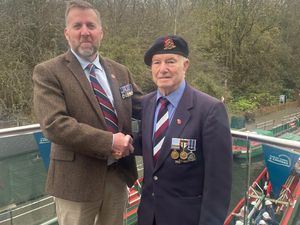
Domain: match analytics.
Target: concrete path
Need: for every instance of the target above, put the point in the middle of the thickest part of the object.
(276, 117)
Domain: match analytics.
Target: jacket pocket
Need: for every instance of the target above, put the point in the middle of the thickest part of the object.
(61, 153)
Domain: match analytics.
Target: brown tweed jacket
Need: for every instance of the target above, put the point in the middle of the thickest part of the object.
(70, 117)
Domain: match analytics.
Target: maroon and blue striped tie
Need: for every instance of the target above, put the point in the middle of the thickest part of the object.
(104, 102)
(162, 124)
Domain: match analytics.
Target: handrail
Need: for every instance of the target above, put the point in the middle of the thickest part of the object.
(237, 134)
(19, 130)
(266, 139)
(250, 136)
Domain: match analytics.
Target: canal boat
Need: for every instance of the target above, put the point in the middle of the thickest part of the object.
(239, 146)
(134, 197)
(283, 166)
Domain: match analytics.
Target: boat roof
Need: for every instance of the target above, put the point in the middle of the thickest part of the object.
(291, 136)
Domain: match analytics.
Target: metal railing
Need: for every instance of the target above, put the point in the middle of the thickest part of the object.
(237, 134)
(32, 207)
(6, 132)
(266, 139)
(249, 136)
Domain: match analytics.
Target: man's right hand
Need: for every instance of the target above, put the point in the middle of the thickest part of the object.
(122, 145)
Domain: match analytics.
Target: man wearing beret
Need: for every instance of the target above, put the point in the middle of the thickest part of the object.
(186, 145)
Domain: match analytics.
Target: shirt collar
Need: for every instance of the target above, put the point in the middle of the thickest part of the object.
(175, 96)
(84, 63)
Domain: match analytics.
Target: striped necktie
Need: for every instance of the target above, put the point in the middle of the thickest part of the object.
(104, 102)
(162, 124)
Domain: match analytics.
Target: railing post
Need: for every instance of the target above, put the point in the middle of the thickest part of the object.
(11, 216)
(248, 158)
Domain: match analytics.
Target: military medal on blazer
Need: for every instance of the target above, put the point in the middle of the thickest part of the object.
(175, 149)
(183, 147)
(191, 149)
(126, 91)
(183, 150)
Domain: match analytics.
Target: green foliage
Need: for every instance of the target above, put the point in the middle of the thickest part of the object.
(29, 35)
(205, 83)
(246, 51)
(129, 52)
(252, 102)
(263, 99)
(243, 105)
(290, 94)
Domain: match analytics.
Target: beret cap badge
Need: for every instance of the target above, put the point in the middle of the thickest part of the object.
(169, 43)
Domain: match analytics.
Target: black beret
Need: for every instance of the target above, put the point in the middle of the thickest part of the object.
(171, 44)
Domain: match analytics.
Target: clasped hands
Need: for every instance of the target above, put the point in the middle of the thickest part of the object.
(122, 145)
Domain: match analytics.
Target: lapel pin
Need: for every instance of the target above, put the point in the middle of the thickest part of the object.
(178, 121)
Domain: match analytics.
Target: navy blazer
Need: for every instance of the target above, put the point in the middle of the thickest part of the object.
(193, 193)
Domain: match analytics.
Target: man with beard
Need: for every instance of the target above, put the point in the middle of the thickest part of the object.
(84, 104)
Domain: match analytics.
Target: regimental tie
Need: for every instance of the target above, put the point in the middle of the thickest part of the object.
(161, 127)
(104, 102)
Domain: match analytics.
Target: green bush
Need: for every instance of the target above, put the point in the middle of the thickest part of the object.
(243, 105)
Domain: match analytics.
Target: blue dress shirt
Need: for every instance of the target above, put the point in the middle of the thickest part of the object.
(173, 98)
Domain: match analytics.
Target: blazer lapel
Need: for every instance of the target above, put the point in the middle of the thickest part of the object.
(179, 121)
(79, 74)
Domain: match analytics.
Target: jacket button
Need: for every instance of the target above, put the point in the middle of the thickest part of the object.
(155, 178)
(152, 194)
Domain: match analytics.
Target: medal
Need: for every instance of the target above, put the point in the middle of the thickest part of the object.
(183, 155)
(182, 150)
(191, 156)
(174, 154)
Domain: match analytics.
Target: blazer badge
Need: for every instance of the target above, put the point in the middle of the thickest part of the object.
(126, 91)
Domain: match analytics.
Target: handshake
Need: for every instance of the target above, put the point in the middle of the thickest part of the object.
(122, 145)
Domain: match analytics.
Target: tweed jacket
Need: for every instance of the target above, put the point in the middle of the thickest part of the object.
(195, 191)
(71, 118)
